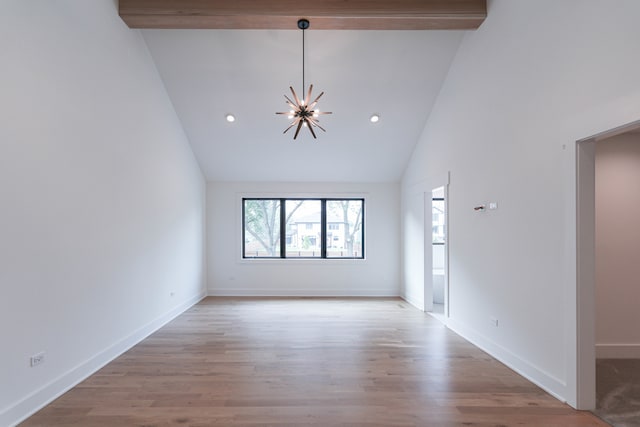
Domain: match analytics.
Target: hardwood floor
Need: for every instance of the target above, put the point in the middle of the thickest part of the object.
(303, 362)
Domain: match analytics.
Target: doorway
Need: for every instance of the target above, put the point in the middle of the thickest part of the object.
(418, 247)
(587, 288)
(439, 253)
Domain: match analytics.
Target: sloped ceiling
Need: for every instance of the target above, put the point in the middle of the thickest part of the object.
(209, 73)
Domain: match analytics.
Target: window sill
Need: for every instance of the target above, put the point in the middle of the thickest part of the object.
(311, 261)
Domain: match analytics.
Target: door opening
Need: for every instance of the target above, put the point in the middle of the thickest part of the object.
(439, 253)
(586, 261)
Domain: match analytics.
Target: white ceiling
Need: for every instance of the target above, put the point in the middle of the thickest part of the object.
(209, 73)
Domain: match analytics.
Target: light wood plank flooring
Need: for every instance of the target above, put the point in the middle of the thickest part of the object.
(303, 362)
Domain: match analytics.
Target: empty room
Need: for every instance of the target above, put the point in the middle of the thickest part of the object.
(330, 213)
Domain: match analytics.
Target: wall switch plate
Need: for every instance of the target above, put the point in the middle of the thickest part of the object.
(494, 321)
(37, 359)
(493, 205)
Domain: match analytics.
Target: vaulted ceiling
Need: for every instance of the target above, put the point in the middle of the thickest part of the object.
(211, 72)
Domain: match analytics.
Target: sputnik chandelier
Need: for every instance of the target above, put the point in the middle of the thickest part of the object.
(303, 112)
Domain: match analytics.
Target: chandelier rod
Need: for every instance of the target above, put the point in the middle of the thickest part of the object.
(303, 24)
(303, 86)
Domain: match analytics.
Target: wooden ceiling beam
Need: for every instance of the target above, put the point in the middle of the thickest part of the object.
(323, 14)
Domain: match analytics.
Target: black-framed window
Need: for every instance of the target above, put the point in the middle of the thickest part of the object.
(303, 228)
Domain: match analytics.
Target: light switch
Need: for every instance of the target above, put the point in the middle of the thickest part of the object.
(493, 205)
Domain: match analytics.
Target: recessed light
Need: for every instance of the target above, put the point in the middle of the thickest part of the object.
(374, 118)
(230, 118)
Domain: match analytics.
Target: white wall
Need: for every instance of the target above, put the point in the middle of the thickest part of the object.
(536, 77)
(377, 275)
(618, 246)
(102, 201)
(438, 266)
(414, 260)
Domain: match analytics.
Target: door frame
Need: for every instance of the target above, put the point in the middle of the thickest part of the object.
(423, 190)
(585, 265)
(429, 234)
(428, 187)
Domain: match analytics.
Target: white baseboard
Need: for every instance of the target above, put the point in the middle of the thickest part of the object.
(217, 292)
(542, 379)
(618, 351)
(419, 304)
(35, 401)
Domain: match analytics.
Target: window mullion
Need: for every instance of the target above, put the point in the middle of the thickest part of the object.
(283, 229)
(244, 228)
(323, 228)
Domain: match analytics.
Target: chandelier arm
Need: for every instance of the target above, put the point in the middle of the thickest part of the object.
(292, 125)
(311, 130)
(295, 96)
(298, 129)
(308, 98)
(290, 102)
(315, 123)
(315, 101)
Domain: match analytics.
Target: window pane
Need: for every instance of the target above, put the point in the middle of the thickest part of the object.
(344, 228)
(261, 228)
(303, 228)
(437, 218)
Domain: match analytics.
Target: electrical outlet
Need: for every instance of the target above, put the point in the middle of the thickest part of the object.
(37, 359)
(494, 321)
